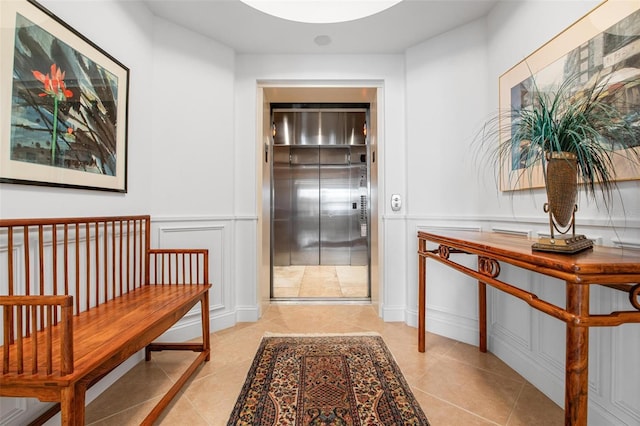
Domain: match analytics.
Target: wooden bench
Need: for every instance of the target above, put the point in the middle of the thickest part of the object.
(81, 295)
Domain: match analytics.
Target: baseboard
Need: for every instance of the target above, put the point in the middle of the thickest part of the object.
(393, 313)
(246, 314)
(598, 415)
(547, 382)
(446, 324)
(543, 379)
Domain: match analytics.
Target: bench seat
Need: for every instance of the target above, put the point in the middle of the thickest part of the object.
(106, 335)
(79, 296)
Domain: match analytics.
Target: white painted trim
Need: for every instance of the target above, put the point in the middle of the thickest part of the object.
(394, 217)
(616, 363)
(448, 324)
(541, 220)
(512, 231)
(169, 219)
(393, 313)
(247, 313)
(168, 229)
(535, 373)
(626, 243)
(276, 83)
(13, 414)
(448, 228)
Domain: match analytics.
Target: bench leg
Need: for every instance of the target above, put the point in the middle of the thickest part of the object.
(206, 344)
(205, 353)
(204, 347)
(72, 405)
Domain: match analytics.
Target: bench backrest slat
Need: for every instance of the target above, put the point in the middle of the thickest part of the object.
(58, 268)
(94, 259)
(181, 266)
(78, 263)
(35, 316)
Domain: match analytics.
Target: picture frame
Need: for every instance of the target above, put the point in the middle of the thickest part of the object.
(63, 104)
(600, 45)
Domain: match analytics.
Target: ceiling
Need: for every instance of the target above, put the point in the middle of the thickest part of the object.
(247, 30)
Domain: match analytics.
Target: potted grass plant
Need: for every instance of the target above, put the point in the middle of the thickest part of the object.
(574, 132)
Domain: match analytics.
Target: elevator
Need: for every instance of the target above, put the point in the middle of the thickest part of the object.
(320, 186)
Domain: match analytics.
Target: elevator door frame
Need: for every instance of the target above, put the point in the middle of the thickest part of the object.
(348, 168)
(357, 252)
(307, 91)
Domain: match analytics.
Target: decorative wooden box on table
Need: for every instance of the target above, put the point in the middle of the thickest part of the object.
(81, 295)
(605, 266)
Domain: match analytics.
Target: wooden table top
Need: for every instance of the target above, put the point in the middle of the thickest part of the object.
(517, 249)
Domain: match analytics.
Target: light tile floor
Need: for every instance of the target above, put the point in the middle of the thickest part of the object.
(453, 382)
(320, 281)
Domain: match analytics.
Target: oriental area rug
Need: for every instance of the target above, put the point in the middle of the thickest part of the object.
(340, 380)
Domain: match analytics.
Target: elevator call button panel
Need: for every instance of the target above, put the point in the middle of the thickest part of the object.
(396, 202)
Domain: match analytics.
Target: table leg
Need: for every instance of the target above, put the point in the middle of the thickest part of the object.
(482, 316)
(577, 358)
(422, 264)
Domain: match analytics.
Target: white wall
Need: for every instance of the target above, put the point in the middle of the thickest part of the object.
(180, 139)
(180, 134)
(446, 98)
(132, 46)
(506, 46)
(452, 87)
(328, 70)
(192, 166)
(189, 148)
(191, 139)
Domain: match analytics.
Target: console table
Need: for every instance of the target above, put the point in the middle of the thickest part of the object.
(605, 266)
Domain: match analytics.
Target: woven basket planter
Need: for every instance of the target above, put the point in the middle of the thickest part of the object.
(562, 186)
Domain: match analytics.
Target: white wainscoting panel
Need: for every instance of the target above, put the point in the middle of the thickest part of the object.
(550, 339)
(509, 318)
(245, 274)
(211, 237)
(625, 365)
(217, 237)
(452, 297)
(12, 409)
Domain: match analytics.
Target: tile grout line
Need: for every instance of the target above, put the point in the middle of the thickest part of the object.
(515, 403)
(139, 404)
(182, 392)
(297, 286)
(487, 370)
(402, 339)
(459, 407)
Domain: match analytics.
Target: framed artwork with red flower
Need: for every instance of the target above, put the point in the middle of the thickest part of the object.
(63, 104)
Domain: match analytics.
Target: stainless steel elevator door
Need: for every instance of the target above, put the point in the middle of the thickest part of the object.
(335, 206)
(305, 206)
(320, 205)
(281, 205)
(359, 193)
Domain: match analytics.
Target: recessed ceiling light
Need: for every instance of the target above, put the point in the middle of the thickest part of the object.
(321, 11)
(322, 40)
